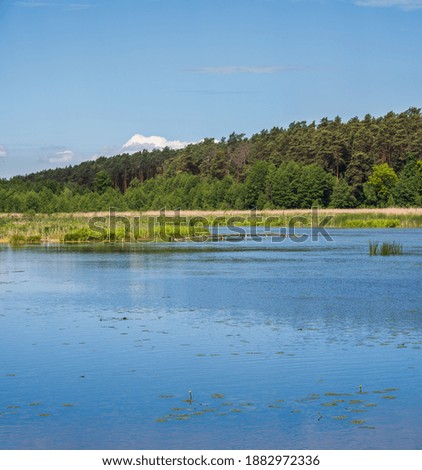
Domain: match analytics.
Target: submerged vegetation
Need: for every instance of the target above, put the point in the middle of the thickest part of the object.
(385, 249)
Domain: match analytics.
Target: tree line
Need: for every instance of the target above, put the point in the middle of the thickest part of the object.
(369, 162)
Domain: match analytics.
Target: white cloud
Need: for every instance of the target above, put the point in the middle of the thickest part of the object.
(403, 4)
(3, 151)
(233, 69)
(61, 157)
(154, 142)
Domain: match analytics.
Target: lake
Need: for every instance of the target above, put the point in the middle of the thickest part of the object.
(218, 345)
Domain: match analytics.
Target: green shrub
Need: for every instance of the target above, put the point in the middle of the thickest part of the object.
(33, 239)
(17, 239)
(372, 223)
(83, 234)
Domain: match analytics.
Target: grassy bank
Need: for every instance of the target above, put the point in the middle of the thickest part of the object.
(19, 229)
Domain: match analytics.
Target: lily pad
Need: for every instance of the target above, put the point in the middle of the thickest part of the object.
(182, 417)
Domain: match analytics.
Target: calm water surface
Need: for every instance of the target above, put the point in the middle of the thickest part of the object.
(100, 346)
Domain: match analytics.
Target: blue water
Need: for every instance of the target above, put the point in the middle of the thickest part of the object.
(100, 346)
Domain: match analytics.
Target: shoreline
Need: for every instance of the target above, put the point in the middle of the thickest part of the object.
(173, 226)
(391, 211)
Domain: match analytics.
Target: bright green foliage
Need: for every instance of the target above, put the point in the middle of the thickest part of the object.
(83, 234)
(285, 185)
(315, 188)
(256, 185)
(379, 188)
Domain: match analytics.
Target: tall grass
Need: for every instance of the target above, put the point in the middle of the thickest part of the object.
(373, 248)
(30, 228)
(386, 249)
(337, 220)
(68, 229)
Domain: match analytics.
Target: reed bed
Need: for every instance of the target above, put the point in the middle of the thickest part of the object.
(19, 229)
(385, 249)
(29, 229)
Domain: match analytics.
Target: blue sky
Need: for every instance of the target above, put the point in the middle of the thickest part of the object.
(79, 79)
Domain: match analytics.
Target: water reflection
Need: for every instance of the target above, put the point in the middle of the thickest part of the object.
(100, 345)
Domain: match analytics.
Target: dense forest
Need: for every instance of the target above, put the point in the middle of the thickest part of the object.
(369, 162)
